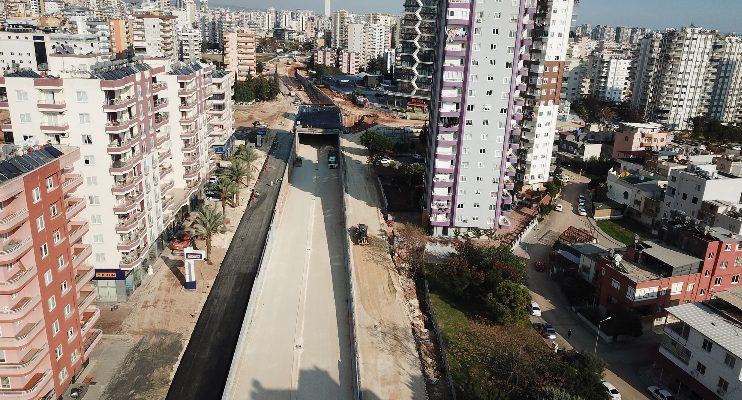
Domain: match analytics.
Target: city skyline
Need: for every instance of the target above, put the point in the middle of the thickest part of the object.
(654, 13)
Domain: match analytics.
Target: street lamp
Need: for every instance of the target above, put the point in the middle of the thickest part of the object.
(597, 334)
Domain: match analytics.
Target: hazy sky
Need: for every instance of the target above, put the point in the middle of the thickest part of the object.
(723, 15)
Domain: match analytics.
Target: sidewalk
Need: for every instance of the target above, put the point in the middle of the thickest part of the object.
(145, 337)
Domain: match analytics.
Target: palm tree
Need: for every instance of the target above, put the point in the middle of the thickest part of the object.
(207, 222)
(236, 171)
(227, 190)
(246, 154)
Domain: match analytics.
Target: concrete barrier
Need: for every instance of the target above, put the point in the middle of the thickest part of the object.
(348, 248)
(259, 279)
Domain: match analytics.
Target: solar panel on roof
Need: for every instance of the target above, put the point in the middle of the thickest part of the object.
(53, 151)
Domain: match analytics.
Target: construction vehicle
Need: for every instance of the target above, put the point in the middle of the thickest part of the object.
(332, 159)
(362, 233)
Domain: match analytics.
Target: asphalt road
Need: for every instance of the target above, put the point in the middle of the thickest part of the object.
(205, 365)
(624, 360)
(298, 343)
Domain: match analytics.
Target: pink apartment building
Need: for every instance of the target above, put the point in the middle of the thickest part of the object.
(634, 137)
(46, 310)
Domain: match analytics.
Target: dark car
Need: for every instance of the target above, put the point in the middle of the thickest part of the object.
(540, 266)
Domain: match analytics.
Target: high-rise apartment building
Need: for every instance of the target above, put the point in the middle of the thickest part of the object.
(47, 299)
(610, 76)
(417, 48)
(221, 115)
(340, 21)
(189, 40)
(240, 53)
(155, 37)
(494, 107)
(142, 134)
(121, 37)
(681, 74)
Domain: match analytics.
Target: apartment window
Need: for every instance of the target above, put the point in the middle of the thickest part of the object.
(701, 368)
(92, 180)
(717, 281)
(495, 31)
(470, 107)
(100, 257)
(44, 250)
(722, 386)
(485, 122)
(476, 47)
(89, 160)
(58, 352)
(728, 247)
(57, 236)
(67, 310)
(82, 97)
(97, 239)
(482, 151)
(63, 374)
(694, 200)
(95, 219)
(735, 279)
(48, 277)
(476, 205)
(723, 264)
(36, 195)
(65, 287)
(468, 122)
(49, 184)
(21, 95)
(487, 107)
(70, 333)
(40, 224)
(61, 263)
(53, 210)
(484, 136)
(711, 255)
(84, 118)
(685, 196)
(460, 205)
(75, 356)
(87, 139)
(707, 345)
(94, 200)
(4, 382)
(52, 303)
(25, 118)
(730, 360)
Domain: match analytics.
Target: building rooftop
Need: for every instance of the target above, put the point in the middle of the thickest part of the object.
(23, 74)
(220, 73)
(187, 69)
(122, 72)
(637, 179)
(24, 163)
(712, 323)
(645, 125)
(669, 255)
(732, 296)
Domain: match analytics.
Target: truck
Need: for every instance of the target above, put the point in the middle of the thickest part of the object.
(332, 159)
(362, 234)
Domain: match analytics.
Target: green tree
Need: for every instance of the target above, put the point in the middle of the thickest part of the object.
(237, 171)
(376, 143)
(246, 154)
(205, 224)
(260, 67)
(227, 189)
(551, 393)
(508, 302)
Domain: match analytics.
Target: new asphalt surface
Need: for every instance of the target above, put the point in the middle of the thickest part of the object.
(204, 368)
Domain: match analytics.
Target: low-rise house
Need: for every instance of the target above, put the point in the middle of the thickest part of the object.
(640, 194)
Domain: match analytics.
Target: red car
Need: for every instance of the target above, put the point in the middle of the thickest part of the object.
(540, 266)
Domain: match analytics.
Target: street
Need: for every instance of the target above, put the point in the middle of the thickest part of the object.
(298, 344)
(622, 359)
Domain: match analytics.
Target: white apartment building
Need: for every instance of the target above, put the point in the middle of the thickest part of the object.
(726, 97)
(349, 62)
(154, 37)
(142, 135)
(240, 49)
(102, 30)
(367, 40)
(688, 188)
(221, 115)
(494, 106)
(610, 76)
(30, 51)
(189, 40)
(701, 350)
(340, 21)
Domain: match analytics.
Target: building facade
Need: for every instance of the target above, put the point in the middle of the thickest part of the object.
(154, 36)
(633, 137)
(417, 48)
(240, 53)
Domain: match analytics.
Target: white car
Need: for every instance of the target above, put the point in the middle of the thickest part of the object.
(660, 393)
(565, 178)
(581, 211)
(558, 207)
(612, 391)
(383, 161)
(581, 198)
(213, 179)
(535, 309)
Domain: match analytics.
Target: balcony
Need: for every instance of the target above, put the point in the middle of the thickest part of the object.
(161, 138)
(51, 105)
(160, 121)
(187, 91)
(167, 186)
(121, 146)
(189, 134)
(89, 318)
(167, 201)
(126, 225)
(675, 349)
(132, 259)
(13, 249)
(86, 297)
(10, 221)
(190, 161)
(159, 104)
(19, 309)
(74, 206)
(187, 120)
(131, 240)
(118, 104)
(83, 275)
(18, 280)
(24, 336)
(91, 339)
(32, 390)
(80, 252)
(126, 185)
(164, 170)
(128, 203)
(187, 105)
(124, 165)
(77, 230)
(158, 86)
(54, 127)
(122, 125)
(71, 182)
(192, 174)
(29, 361)
(190, 147)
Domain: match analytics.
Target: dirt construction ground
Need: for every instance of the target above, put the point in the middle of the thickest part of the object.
(144, 338)
(388, 361)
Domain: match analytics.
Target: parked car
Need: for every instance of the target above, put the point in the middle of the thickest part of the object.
(558, 207)
(416, 156)
(383, 161)
(660, 393)
(213, 179)
(540, 266)
(612, 391)
(582, 212)
(565, 178)
(535, 309)
(581, 198)
(548, 331)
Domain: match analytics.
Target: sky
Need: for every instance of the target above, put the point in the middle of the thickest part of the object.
(723, 15)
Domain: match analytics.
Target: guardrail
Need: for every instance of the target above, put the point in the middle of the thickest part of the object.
(347, 246)
(258, 284)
